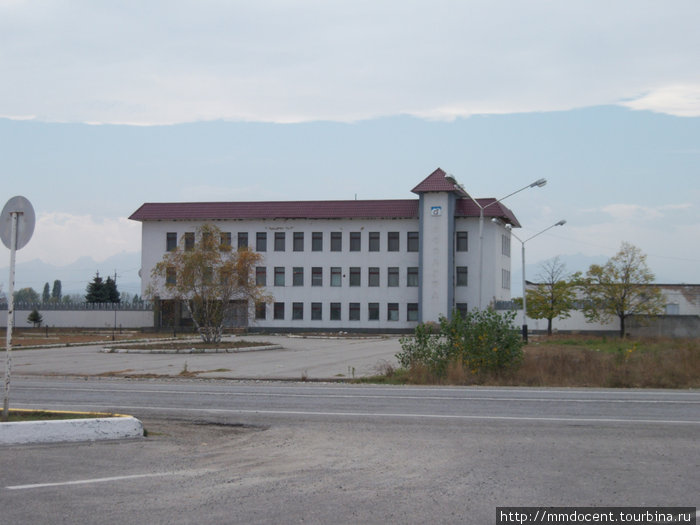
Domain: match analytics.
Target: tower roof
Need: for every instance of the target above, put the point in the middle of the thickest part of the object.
(439, 181)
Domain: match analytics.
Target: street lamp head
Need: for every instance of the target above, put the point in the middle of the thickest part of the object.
(539, 183)
(561, 223)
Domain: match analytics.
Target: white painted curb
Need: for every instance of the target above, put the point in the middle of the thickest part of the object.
(70, 430)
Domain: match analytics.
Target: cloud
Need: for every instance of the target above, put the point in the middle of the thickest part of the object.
(61, 238)
(679, 100)
(182, 61)
(635, 212)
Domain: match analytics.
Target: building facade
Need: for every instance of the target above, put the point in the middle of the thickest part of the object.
(369, 265)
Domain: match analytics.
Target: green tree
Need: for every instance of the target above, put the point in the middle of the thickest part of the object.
(554, 295)
(56, 291)
(96, 291)
(46, 294)
(110, 291)
(35, 318)
(207, 278)
(27, 296)
(621, 288)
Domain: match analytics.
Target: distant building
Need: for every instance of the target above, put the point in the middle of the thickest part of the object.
(372, 265)
(681, 316)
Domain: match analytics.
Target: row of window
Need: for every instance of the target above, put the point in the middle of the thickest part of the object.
(354, 274)
(335, 311)
(393, 241)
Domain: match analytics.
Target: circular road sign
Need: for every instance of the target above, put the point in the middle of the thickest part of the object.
(25, 222)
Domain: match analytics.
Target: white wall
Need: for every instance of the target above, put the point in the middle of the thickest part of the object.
(154, 243)
(83, 318)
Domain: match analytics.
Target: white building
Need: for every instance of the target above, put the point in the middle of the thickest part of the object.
(370, 265)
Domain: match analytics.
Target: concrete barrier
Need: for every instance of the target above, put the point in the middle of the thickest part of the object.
(70, 430)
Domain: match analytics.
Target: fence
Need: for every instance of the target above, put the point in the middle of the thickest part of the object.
(82, 315)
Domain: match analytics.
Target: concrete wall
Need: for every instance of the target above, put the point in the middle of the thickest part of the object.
(82, 318)
(665, 326)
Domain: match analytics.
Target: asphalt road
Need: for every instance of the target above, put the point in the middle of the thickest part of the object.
(246, 452)
(313, 358)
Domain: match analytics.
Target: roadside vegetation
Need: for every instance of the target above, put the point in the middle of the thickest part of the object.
(572, 361)
(20, 415)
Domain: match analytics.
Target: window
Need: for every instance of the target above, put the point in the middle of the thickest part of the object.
(373, 311)
(336, 276)
(393, 276)
(505, 279)
(170, 275)
(335, 311)
(261, 276)
(207, 240)
(355, 241)
(298, 276)
(261, 241)
(462, 309)
(225, 241)
(298, 242)
(355, 276)
(373, 277)
(462, 276)
(189, 241)
(673, 309)
(374, 241)
(317, 241)
(316, 311)
(336, 242)
(316, 276)
(207, 275)
(412, 276)
(279, 275)
(260, 311)
(354, 314)
(412, 309)
(279, 311)
(279, 241)
(505, 245)
(462, 241)
(170, 241)
(412, 243)
(392, 311)
(393, 241)
(242, 240)
(297, 311)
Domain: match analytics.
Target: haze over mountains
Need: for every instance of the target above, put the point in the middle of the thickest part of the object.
(75, 276)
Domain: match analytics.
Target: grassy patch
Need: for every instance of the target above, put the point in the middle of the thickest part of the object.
(174, 345)
(579, 362)
(17, 415)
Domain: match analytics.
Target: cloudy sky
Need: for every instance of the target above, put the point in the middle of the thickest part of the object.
(105, 105)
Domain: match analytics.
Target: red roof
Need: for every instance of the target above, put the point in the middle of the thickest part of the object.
(381, 209)
(440, 181)
(353, 209)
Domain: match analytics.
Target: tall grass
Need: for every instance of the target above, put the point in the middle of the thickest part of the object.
(584, 362)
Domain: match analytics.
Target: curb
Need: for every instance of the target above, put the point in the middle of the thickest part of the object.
(70, 430)
(126, 350)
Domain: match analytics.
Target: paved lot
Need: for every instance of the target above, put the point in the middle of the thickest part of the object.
(313, 358)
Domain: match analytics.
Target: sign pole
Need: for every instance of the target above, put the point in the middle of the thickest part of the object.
(10, 317)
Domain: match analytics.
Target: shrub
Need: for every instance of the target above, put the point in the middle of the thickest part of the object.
(480, 341)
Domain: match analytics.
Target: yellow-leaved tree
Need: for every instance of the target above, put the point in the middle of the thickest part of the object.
(208, 276)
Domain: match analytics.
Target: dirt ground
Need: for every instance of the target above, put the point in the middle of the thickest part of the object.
(52, 336)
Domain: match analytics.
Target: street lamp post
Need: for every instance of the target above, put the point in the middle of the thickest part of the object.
(560, 223)
(538, 183)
